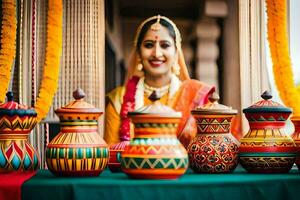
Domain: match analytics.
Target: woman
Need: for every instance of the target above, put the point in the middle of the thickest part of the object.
(156, 64)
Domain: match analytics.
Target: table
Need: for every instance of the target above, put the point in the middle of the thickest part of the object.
(238, 185)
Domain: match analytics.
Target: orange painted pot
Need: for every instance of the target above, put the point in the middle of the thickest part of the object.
(155, 152)
(78, 149)
(267, 148)
(16, 123)
(214, 149)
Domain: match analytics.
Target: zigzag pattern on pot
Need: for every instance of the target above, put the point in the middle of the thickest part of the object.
(153, 150)
(16, 122)
(154, 163)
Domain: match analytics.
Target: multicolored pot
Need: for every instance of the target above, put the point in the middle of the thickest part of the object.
(266, 148)
(296, 136)
(78, 150)
(155, 152)
(214, 149)
(115, 151)
(16, 123)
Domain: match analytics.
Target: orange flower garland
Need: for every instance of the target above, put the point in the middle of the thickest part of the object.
(282, 67)
(8, 44)
(52, 61)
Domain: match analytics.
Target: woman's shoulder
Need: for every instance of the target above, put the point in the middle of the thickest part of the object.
(115, 97)
(193, 84)
(116, 93)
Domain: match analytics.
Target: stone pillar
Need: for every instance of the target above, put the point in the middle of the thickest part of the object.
(207, 33)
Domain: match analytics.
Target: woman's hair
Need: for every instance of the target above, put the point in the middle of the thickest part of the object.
(147, 26)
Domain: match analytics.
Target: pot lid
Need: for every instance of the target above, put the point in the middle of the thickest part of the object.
(78, 105)
(156, 108)
(267, 106)
(13, 108)
(213, 107)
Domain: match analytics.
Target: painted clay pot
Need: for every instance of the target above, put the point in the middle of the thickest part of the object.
(296, 136)
(154, 152)
(16, 123)
(267, 148)
(78, 149)
(115, 151)
(214, 149)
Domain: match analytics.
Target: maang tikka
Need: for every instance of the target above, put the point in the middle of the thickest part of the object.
(156, 26)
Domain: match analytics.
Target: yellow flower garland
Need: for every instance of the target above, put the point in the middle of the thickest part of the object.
(8, 44)
(52, 61)
(282, 67)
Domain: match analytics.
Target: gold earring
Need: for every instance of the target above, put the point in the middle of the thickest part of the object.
(140, 67)
(176, 69)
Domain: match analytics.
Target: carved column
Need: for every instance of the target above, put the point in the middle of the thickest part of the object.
(208, 32)
(207, 51)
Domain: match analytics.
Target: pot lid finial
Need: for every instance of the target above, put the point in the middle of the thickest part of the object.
(213, 107)
(10, 96)
(266, 95)
(214, 97)
(78, 94)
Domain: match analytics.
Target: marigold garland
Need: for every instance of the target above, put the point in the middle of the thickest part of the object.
(52, 59)
(282, 67)
(8, 44)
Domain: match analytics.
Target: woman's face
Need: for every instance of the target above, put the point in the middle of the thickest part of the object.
(157, 52)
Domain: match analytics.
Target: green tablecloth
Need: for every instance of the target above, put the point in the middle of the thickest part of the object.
(238, 185)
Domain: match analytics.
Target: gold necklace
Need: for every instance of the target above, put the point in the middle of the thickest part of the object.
(161, 91)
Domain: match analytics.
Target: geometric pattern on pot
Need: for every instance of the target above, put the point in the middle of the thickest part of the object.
(266, 137)
(77, 159)
(267, 164)
(154, 163)
(296, 136)
(155, 125)
(115, 151)
(267, 117)
(79, 139)
(18, 156)
(168, 150)
(155, 141)
(17, 123)
(213, 125)
(213, 167)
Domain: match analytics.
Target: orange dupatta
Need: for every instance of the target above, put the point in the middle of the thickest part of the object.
(191, 94)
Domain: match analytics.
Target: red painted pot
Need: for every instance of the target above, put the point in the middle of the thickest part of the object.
(267, 148)
(115, 151)
(296, 136)
(214, 149)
